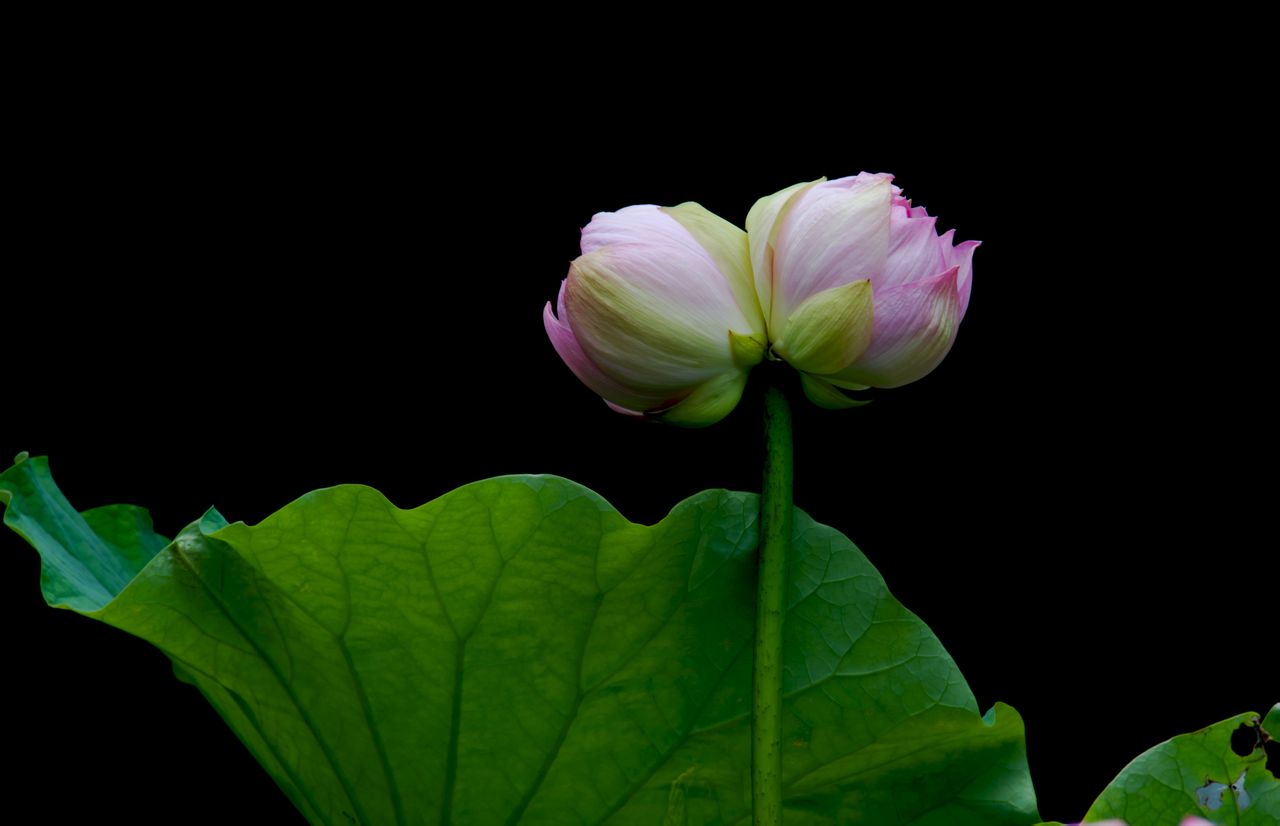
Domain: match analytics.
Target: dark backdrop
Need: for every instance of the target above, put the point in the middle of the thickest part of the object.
(235, 282)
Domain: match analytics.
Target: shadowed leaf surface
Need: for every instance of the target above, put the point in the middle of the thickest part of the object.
(518, 652)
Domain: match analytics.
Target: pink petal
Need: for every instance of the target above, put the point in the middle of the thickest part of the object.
(915, 250)
(915, 326)
(960, 255)
(901, 203)
(640, 224)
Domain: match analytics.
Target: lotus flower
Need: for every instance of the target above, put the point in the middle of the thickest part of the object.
(667, 310)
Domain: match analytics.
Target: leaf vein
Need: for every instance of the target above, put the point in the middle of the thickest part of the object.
(285, 686)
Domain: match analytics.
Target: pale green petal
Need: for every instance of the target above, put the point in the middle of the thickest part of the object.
(820, 392)
(762, 231)
(728, 247)
(639, 337)
(709, 403)
(747, 350)
(829, 330)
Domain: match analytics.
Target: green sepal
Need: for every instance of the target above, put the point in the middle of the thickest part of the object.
(829, 330)
(820, 392)
(748, 350)
(710, 401)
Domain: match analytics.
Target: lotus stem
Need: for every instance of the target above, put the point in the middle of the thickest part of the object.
(775, 535)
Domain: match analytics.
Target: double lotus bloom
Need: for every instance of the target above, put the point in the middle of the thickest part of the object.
(668, 308)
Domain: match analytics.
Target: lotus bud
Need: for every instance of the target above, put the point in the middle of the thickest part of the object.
(659, 315)
(856, 286)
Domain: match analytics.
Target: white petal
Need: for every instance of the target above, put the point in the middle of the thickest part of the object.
(728, 247)
(832, 234)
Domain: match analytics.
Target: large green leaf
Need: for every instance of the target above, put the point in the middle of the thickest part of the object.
(1197, 774)
(517, 652)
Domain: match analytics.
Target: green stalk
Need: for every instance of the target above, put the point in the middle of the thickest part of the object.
(766, 683)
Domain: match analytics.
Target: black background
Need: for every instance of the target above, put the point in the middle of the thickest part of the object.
(238, 276)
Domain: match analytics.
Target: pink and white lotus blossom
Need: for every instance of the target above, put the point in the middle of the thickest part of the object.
(667, 310)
